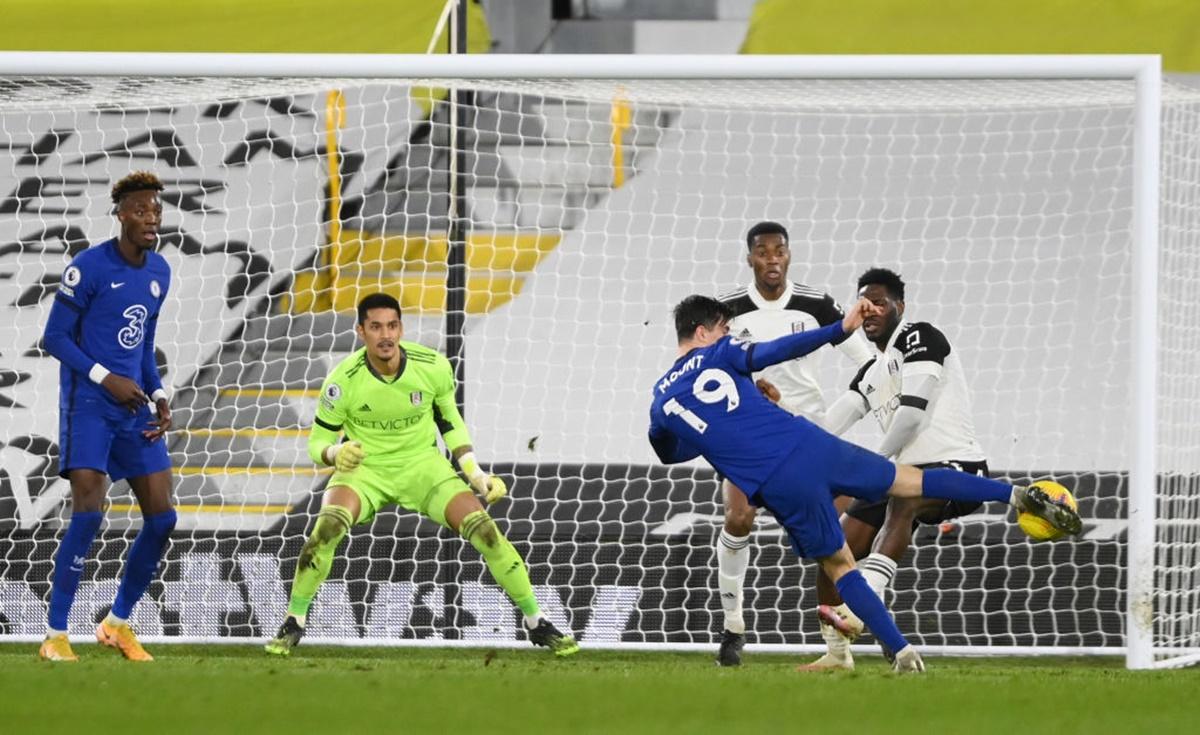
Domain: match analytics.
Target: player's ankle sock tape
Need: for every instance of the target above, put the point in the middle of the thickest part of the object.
(954, 485)
(870, 609)
(142, 562)
(68, 564)
(733, 543)
(316, 558)
(878, 570)
(503, 561)
(733, 555)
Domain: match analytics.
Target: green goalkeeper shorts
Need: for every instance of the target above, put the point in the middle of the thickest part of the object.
(425, 485)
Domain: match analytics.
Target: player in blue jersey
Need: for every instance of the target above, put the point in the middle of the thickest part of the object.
(707, 405)
(101, 328)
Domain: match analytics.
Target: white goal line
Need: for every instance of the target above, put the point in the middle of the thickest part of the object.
(1181, 656)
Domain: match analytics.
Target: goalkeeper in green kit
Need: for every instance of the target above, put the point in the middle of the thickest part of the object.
(390, 400)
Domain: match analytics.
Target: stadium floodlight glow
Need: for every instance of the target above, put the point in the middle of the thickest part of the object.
(1025, 185)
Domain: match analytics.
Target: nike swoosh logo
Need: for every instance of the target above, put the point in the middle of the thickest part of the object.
(117, 285)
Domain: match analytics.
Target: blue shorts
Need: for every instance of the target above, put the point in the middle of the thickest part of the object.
(800, 492)
(106, 438)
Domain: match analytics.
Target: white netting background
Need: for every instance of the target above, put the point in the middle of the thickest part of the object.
(1005, 205)
(1177, 579)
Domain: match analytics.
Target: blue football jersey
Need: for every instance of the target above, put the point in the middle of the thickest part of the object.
(707, 404)
(116, 303)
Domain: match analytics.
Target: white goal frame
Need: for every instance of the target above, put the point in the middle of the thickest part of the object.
(1143, 70)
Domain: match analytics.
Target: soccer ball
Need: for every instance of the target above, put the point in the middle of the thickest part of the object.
(1040, 529)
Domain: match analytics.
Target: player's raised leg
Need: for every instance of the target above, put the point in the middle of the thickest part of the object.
(340, 508)
(464, 514)
(153, 493)
(733, 557)
(950, 484)
(87, 494)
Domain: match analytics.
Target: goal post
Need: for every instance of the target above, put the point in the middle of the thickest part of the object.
(882, 153)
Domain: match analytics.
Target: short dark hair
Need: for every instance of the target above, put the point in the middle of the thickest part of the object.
(697, 310)
(765, 228)
(136, 181)
(886, 278)
(377, 301)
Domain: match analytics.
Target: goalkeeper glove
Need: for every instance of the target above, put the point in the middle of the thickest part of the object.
(488, 487)
(344, 457)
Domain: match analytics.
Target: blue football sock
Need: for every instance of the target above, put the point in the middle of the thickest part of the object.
(68, 564)
(870, 609)
(954, 485)
(142, 561)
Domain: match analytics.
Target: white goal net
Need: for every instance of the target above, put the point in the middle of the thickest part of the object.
(591, 208)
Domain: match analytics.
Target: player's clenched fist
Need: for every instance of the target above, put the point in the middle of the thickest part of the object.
(488, 487)
(857, 313)
(491, 489)
(345, 457)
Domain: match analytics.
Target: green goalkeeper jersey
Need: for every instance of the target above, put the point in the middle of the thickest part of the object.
(395, 418)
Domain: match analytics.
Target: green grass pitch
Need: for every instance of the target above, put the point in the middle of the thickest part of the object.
(238, 689)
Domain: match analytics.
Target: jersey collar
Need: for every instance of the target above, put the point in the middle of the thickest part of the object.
(114, 255)
(399, 371)
(778, 304)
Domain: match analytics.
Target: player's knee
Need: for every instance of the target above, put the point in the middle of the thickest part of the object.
(908, 482)
(739, 521)
(481, 531)
(86, 496)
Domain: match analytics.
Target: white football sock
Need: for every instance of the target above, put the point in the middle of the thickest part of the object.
(114, 621)
(878, 570)
(733, 556)
(531, 621)
(51, 632)
(300, 619)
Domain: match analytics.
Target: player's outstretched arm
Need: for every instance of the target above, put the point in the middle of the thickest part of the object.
(857, 313)
(789, 347)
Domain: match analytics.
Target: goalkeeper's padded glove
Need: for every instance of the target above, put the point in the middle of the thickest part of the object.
(345, 456)
(488, 487)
